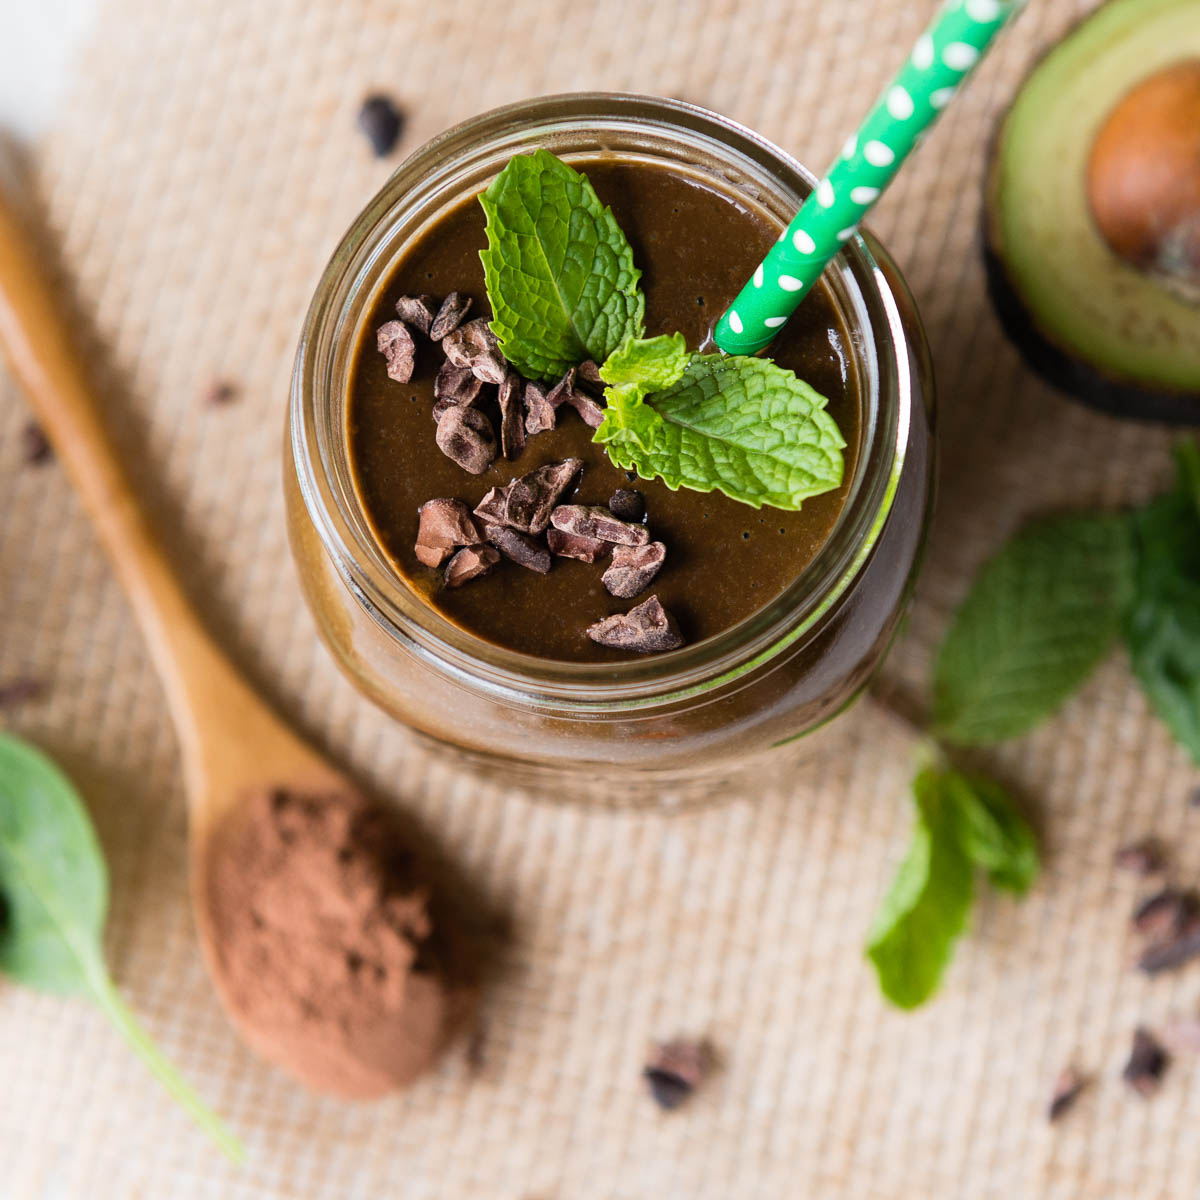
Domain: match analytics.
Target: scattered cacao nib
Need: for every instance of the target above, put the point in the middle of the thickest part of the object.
(633, 568)
(588, 373)
(218, 393)
(512, 417)
(20, 690)
(593, 521)
(675, 1070)
(396, 344)
(470, 563)
(1164, 914)
(557, 395)
(450, 315)
(572, 545)
(456, 385)
(532, 498)
(381, 121)
(1143, 857)
(1183, 1035)
(587, 408)
(520, 547)
(1067, 1087)
(494, 506)
(35, 446)
(646, 629)
(444, 526)
(540, 414)
(1147, 1064)
(466, 436)
(474, 345)
(628, 504)
(417, 311)
(1172, 951)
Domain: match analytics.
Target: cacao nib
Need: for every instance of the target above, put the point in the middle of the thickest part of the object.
(1066, 1091)
(19, 690)
(474, 345)
(675, 1070)
(512, 418)
(1177, 948)
(494, 506)
(532, 497)
(417, 311)
(466, 436)
(218, 393)
(1164, 914)
(540, 414)
(557, 395)
(449, 316)
(633, 567)
(593, 521)
(35, 446)
(587, 408)
(456, 385)
(1144, 856)
(1147, 1064)
(381, 121)
(470, 563)
(520, 547)
(572, 545)
(628, 504)
(444, 526)
(396, 344)
(588, 373)
(646, 629)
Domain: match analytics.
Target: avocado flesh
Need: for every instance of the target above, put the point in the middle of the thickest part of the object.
(1088, 306)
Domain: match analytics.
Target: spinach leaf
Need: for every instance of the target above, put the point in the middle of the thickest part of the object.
(54, 884)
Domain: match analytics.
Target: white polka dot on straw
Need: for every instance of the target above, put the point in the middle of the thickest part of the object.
(844, 235)
(878, 154)
(864, 195)
(983, 11)
(803, 242)
(789, 283)
(922, 55)
(959, 56)
(899, 103)
(825, 196)
(758, 276)
(941, 97)
(774, 322)
(735, 322)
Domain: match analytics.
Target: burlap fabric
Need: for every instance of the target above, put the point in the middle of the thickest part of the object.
(204, 165)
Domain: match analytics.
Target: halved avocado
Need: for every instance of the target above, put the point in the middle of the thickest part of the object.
(1106, 126)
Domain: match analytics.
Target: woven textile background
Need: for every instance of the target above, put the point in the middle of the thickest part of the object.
(199, 176)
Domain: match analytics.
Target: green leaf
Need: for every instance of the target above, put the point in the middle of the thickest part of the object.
(926, 908)
(742, 426)
(994, 833)
(559, 271)
(1162, 624)
(54, 885)
(1038, 618)
(650, 364)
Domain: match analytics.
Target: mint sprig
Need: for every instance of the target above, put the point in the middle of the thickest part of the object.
(1038, 618)
(962, 824)
(742, 426)
(559, 271)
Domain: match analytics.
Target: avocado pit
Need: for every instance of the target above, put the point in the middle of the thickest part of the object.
(1143, 178)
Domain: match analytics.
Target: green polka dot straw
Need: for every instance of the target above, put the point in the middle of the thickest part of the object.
(943, 56)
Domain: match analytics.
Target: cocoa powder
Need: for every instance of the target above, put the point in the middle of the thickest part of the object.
(327, 951)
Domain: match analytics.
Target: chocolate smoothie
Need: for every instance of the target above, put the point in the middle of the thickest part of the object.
(724, 559)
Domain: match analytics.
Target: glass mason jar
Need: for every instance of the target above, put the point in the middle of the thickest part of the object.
(655, 727)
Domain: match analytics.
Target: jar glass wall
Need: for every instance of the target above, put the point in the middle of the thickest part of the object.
(641, 726)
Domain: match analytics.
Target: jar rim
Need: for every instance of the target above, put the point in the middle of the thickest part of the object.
(345, 292)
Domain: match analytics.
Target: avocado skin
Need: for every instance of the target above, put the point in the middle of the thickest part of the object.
(1074, 376)
(1078, 379)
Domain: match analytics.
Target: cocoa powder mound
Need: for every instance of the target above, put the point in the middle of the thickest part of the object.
(327, 951)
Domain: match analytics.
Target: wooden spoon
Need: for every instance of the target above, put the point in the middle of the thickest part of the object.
(232, 745)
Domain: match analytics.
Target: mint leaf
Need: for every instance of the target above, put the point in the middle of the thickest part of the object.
(1162, 624)
(926, 908)
(650, 364)
(994, 833)
(742, 426)
(1038, 618)
(559, 271)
